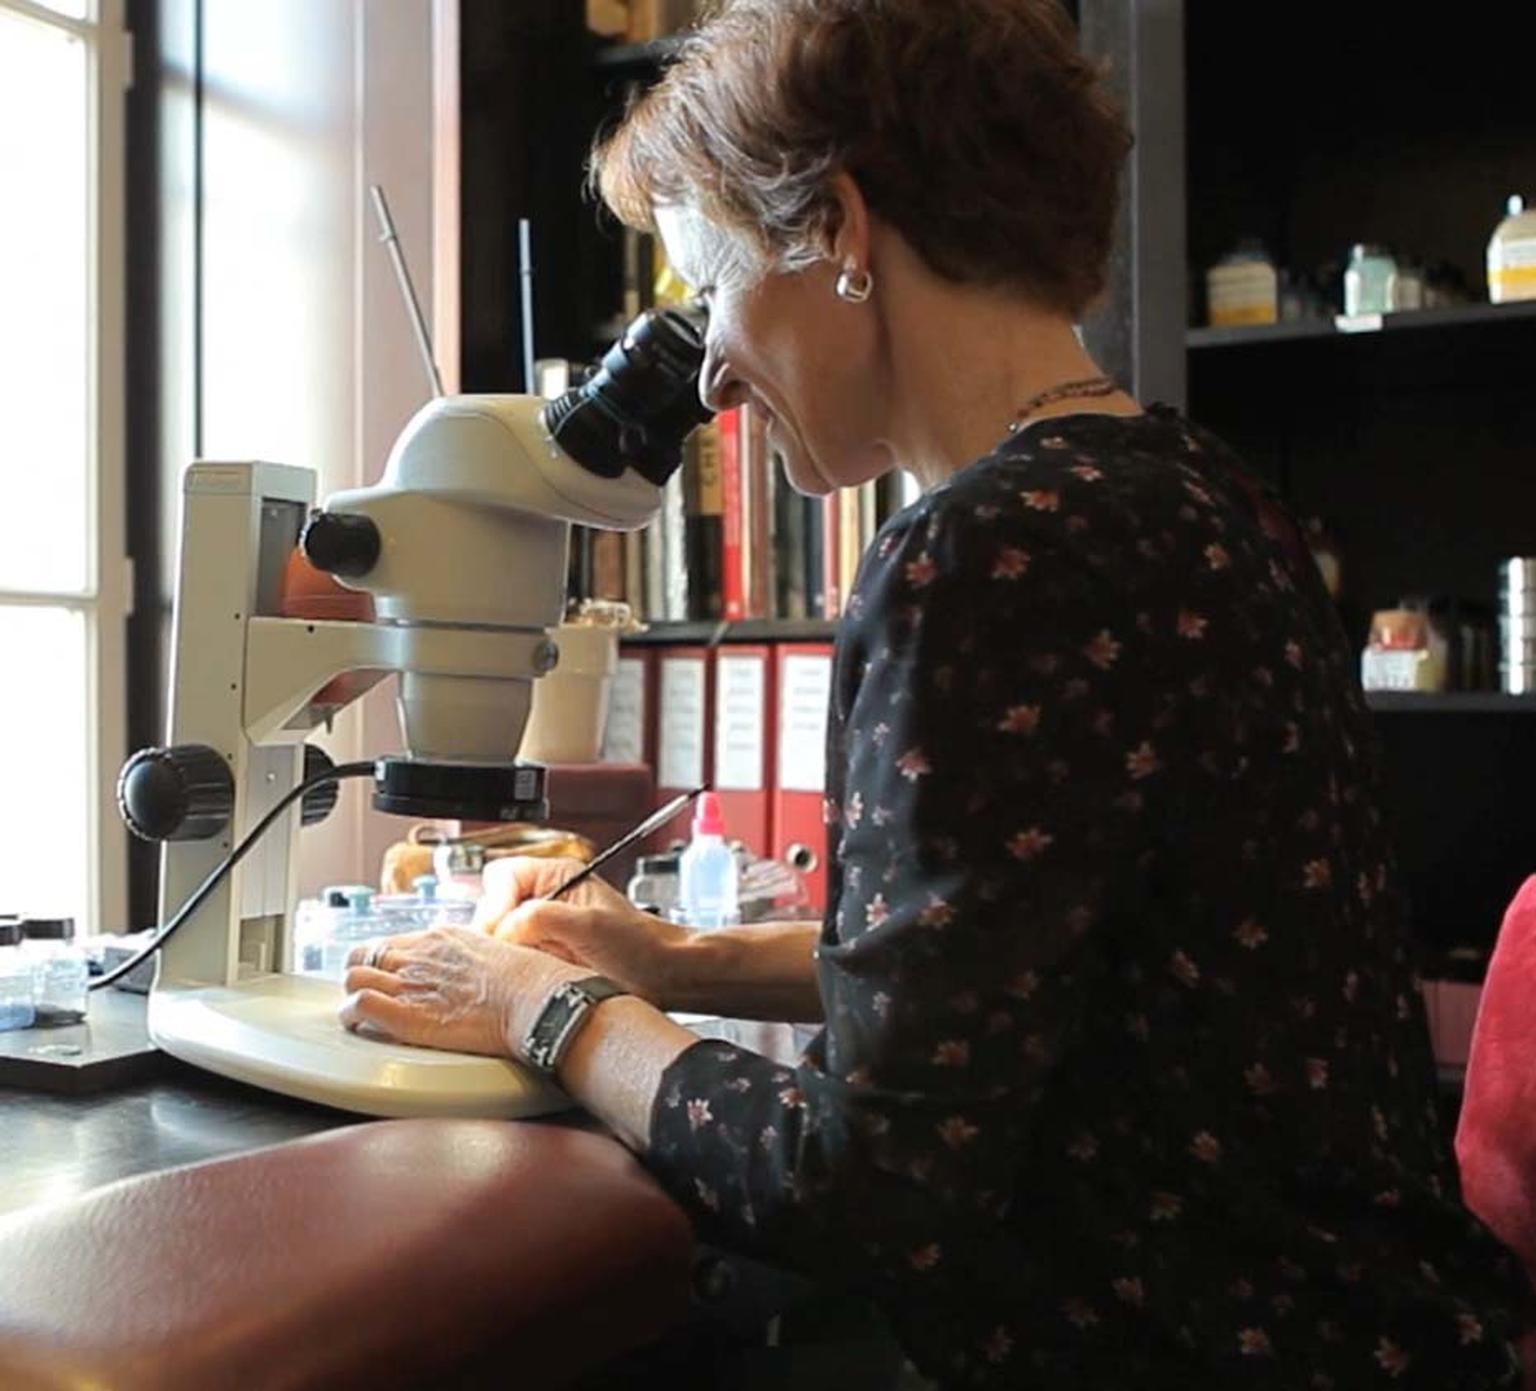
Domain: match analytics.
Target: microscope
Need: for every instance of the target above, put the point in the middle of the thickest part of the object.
(462, 546)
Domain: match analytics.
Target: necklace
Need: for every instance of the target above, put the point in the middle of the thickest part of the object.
(1092, 386)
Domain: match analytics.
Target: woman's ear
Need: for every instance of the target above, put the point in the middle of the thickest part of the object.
(848, 233)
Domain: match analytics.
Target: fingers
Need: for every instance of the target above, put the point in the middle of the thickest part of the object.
(381, 979)
(372, 1011)
(373, 952)
(509, 882)
(542, 924)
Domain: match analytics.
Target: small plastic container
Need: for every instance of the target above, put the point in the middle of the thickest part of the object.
(1243, 288)
(17, 1010)
(570, 705)
(1368, 280)
(60, 971)
(709, 885)
(1512, 255)
(656, 885)
(327, 929)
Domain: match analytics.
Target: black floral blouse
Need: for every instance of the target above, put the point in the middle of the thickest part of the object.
(1124, 1080)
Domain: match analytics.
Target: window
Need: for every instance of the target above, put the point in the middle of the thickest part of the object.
(63, 574)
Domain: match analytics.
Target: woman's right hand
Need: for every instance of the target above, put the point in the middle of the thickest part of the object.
(593, 926)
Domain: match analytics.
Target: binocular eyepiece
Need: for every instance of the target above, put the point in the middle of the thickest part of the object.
(641, 402)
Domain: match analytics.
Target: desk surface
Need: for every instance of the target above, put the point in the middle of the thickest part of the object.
(57, 1146)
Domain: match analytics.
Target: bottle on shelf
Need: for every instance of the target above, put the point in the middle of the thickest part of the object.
(709, 888)
(1243, 287)
(1512, 255)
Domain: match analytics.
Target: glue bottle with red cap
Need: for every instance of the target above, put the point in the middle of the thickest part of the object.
(708, 889)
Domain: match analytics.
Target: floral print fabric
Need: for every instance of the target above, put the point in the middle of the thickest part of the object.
(1124, 1079)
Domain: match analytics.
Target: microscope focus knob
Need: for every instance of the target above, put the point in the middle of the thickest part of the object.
(341, 543)
(185, 792)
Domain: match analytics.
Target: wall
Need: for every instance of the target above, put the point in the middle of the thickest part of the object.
(305, 354)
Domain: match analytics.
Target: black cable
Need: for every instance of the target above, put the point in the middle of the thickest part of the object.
(199, 894)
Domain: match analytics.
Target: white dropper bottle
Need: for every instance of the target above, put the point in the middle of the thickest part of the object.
(708, 890)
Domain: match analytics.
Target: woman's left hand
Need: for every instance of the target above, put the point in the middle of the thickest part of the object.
(450, 988)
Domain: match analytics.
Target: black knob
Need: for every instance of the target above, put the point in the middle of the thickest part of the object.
(182, 793)
(341, 543)
(319, 802)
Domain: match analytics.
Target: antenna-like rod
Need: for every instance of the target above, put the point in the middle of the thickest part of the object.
(391, 239)
(525, 265)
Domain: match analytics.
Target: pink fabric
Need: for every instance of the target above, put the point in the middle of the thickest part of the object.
(1496, 1136)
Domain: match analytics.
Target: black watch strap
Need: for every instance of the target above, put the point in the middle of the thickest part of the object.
(564, 1015)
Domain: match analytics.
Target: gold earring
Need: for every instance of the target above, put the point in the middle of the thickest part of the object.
(855, 288)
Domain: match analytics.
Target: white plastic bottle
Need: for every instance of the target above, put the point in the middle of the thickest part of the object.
(708, 890)
(1512, 255)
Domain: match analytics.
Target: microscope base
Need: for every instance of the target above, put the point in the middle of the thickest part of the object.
(281, 1033)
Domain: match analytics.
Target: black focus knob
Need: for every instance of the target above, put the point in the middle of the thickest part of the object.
(319, 802)
(341, 543)
(185, 792)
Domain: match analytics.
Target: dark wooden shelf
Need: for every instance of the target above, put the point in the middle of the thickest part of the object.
(637, 57)
(1460, 317)
(745, 630)
(1450, 702)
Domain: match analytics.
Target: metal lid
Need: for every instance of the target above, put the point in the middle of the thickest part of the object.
(48, 929)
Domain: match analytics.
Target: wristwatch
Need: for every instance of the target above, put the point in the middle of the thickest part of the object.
(563, 1017)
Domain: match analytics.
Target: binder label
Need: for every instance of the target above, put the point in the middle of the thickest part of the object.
(624, 734)
(680, 739)
(739, 704)
(806, 691)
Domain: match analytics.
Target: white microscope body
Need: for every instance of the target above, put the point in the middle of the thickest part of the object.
(468, 538)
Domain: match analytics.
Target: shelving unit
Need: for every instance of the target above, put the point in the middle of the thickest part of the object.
(1450, 703)
(746, 630)
(1464, 319)
(1413, 436)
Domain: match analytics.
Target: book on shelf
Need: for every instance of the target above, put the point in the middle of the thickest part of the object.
(704, 533)
(733, 540)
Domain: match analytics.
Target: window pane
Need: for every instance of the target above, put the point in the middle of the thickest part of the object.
(45, 791)
(45, 281)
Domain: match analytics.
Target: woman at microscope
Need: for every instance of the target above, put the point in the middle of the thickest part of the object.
(1123, 1079)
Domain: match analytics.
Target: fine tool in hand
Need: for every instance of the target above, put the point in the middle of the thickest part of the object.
(655, 819)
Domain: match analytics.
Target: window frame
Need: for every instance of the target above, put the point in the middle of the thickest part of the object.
(105, 601)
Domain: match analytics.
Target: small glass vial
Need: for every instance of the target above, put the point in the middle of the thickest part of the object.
(60, 973)
(16, 1008)
(654, 888)
(1368, 280)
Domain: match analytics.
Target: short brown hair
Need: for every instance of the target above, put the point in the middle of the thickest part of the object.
(976, 128)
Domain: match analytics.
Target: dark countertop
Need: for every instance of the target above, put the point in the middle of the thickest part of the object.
(56, 1144)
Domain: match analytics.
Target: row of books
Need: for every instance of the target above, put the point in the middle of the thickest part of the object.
(734, 540)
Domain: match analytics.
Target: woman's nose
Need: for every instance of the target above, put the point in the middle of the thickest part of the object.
(719, 387)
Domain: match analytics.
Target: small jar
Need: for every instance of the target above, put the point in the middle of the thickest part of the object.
(17, 1010)
(60, 972)
(656, 886)
(1368, 280)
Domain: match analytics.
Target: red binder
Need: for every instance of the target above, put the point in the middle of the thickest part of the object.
(743, 742)
(684, 719)
(803, 684)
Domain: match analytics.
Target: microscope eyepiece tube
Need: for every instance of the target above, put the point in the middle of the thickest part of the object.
(341, 543)
(641, 401)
